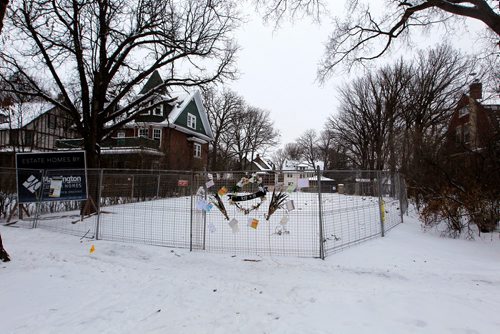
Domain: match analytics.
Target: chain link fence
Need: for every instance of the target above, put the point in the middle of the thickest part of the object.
(307, 213)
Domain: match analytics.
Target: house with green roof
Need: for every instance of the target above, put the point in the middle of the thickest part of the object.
(171, 131)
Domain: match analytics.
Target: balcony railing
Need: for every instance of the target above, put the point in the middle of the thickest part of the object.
(110, 143)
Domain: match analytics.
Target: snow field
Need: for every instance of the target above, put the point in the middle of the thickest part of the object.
(408, 282)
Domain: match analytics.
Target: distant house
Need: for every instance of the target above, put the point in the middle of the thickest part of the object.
(31, 127)
(171, 132)
(263, 168)
(293, 171)
(475, 123)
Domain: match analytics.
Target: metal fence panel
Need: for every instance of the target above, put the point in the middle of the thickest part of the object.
(351, 210)
(285, 232)
(321, 213)
(150, 208)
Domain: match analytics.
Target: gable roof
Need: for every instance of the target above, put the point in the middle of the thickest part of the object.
(179, 102)
(154, 81)
(295, 165)
(180, 108)
(20, 115)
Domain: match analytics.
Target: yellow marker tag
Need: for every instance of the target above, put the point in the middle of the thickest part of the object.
(382, 210)
(222, 191)
(253, 223)
(92, 249)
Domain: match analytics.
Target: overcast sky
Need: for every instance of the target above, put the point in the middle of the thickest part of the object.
(278, 70)
(278, 73)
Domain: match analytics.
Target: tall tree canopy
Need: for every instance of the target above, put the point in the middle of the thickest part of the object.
(90, 58)
(364, 35)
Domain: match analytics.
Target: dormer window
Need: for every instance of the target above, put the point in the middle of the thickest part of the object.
(145, 110)
(191, 121)
(158, 110)
(463, 111)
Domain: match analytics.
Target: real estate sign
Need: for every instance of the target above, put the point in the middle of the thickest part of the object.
(53, 176)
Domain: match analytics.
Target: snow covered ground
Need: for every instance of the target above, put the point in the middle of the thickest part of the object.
(407, 282)
(166, 222)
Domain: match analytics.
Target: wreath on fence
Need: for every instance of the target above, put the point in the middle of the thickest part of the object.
(235, 199)
(277, 199)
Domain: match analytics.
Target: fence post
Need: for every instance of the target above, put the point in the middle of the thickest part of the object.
(380, 201)
(191, 213)
(204, 180)
(39, 199)
(133, 186)
(158, 186)
(98, 204)
(402, 192)
(321, 236)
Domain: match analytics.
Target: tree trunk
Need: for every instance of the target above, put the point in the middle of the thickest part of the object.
(93, 163)
(3, 9)
(4, 256)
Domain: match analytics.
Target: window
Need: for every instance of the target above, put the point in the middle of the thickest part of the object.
(158, 110)
(67, 123)
(191, 121)
(14, 137)
(156, 134)
(466, 133)
(458, 134)
(463, 111)
(120, 134)
(197, 150)
(28, 138)
(51, 121)
(143, 132)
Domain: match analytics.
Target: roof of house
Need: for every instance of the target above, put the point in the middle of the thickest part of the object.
(294, 165)
(154, 81)
(179, 102)
(20, 115)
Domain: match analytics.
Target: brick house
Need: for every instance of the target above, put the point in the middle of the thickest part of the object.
(474, 124)
(170, 132)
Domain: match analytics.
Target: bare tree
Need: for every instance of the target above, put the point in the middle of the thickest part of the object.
(330, 152)
(362, 125)
(292, 151)
(254, 132)
(95, 55)
(391, 117)
(4, 256)
(437, 82)
(222, 110)
(3, 10)
(308, 146)
(279, 157)
(362, 36)
(277, 9)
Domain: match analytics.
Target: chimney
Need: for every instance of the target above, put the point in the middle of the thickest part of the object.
(476, 90)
